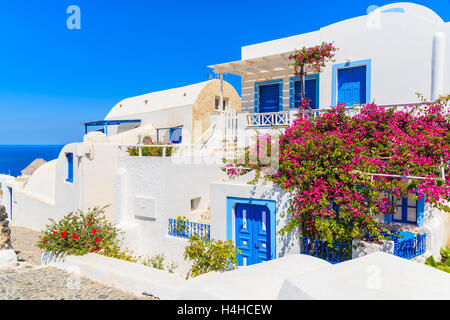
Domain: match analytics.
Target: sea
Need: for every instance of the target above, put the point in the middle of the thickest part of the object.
(14, 158)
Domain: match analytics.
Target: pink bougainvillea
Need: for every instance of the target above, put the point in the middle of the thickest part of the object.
(336, 167)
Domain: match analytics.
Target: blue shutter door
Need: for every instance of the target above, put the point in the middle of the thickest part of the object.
(261, 237)
(10, 203)
(252, 233)
(175, 135)
(69, 157)
(244, 234)
(269, 98)
(310, 92)
(352, 85)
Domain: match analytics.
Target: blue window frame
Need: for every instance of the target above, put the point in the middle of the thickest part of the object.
(352, 82)
(175, 134)
(408, 211)
(69, 157)
(311, 91)
(269, 96)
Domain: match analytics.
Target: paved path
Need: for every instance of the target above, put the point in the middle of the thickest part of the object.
(28, 280)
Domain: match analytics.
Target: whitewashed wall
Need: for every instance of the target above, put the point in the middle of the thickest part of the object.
(150, 190)
(239, 188)
(47, 194)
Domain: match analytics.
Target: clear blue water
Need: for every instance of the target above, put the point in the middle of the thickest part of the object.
(14, 158)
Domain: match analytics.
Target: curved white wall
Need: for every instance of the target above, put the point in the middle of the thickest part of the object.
(42, 181)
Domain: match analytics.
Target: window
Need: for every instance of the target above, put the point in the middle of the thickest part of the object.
(311, 91)
(406, 211)
(268, 96)
(352, 82)
(195, 203)
(165, 135)
(226, 104)
(69, 157)
(175, 135)
(352, 85)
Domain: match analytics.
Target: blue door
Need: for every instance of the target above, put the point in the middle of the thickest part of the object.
(252, 233)
(352, 85)
(269, 98)
(310, 92)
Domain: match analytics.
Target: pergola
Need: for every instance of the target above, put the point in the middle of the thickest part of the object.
(256, 66)
(106, 123)
(276, 62)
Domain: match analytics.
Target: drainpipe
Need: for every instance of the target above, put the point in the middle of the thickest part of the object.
(437, 65)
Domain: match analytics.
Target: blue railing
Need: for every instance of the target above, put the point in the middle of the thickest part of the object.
(408, 246)
(334, 253)
(186, 229)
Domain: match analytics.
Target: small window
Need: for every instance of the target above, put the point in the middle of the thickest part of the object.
(406, 211)
(226, 104)
(69, 157)
(194, 203)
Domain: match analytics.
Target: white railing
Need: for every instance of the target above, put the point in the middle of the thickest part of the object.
(269, 119)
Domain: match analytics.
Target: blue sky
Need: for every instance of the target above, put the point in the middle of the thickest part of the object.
(53, 78)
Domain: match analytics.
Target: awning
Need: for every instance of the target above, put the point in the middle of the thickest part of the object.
(267, 64)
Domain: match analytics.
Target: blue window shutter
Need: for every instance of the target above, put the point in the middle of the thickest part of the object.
(175, 135)
(269, 98)
(310, 92)
(69, 157)
(352, 85)
(421, 211)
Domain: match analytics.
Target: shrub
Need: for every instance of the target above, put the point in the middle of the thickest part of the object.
(210, 255)
(444, 265)
(157, 262)
(79, 233)
(150, 151)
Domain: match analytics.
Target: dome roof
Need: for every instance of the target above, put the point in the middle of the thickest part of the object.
(158, 100)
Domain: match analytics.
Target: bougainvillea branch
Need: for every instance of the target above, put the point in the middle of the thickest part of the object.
(314, 57)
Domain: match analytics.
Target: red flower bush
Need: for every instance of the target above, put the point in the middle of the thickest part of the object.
(90, 231)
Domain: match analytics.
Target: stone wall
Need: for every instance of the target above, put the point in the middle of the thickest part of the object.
(5, 230)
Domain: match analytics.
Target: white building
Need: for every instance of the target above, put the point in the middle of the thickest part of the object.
(385, 56)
